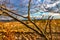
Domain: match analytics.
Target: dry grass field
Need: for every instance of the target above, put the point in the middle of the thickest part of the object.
(6, 28)
(14, 25)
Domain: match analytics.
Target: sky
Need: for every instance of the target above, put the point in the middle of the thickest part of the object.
(22, 5)
(37, 6)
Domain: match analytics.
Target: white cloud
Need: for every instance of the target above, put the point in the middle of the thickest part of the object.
(52, 5)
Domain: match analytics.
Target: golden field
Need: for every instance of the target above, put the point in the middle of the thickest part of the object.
(8, 27)
(17, 26)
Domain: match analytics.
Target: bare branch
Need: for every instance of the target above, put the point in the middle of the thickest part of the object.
(13, 12)
(24, 24)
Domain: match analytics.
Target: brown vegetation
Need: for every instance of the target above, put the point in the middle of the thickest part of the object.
(15, 26)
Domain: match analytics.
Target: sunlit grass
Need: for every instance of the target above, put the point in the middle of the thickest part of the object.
(20, 27)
